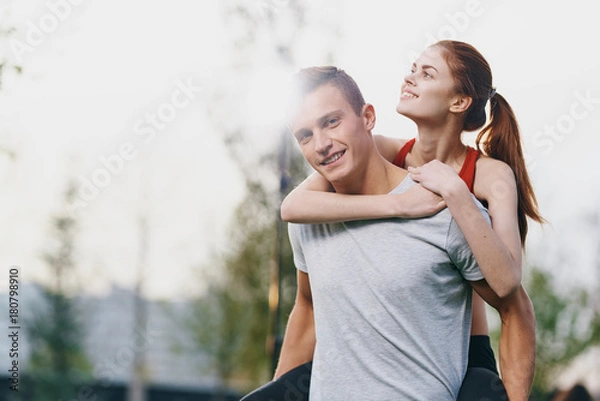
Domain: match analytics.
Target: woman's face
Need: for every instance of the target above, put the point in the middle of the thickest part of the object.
(428, 91)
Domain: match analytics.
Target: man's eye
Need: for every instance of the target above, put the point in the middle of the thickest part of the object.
(304, 137)
(332, 121)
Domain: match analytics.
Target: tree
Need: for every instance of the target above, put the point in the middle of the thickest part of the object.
(230, 323)
(58, 363)
(5, 67)
(567, 317)
(567, 325)
(5, 64)
(239, 321)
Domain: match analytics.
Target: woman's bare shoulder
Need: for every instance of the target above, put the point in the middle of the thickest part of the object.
(389, 146)
(492, 176)
(487, 165)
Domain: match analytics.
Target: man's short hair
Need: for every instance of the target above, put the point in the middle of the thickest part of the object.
(311, 78)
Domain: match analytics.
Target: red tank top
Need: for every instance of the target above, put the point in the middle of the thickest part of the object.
(467, 171)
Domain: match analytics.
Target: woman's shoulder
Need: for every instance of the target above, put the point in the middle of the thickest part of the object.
(389, 146)
(492, 175)
(487, 165)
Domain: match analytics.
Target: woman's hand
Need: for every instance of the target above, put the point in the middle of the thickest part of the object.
(436, 177)
(417, 202)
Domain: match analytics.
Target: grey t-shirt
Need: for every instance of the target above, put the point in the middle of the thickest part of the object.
(392, 306)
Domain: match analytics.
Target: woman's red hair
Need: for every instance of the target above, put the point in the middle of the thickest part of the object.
(500, 138)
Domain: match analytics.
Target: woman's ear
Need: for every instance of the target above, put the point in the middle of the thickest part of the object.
(368, 113)
(460, 104)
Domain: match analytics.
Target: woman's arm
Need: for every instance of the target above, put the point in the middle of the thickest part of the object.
(497, 248)
(314, 202)
(517, 333)
(496, 251)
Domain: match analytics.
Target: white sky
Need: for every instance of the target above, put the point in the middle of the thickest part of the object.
(101, 70)
(97, 74)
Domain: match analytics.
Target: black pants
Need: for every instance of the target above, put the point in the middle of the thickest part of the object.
(291, 386)
(481, 383)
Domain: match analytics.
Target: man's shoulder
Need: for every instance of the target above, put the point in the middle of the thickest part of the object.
(313, 229)
(400, 175)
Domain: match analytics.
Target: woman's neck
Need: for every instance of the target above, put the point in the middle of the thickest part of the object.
(440, 143)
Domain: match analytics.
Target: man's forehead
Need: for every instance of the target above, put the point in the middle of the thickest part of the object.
(322, 100)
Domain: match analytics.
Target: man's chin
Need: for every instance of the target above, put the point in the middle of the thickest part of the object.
(325, 175)
(332, 178)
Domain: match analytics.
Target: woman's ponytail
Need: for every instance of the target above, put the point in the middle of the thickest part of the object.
(501, 140)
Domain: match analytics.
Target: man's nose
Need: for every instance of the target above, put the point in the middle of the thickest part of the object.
(323, 142)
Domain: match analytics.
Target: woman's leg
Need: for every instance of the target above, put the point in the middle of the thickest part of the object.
(482, 382)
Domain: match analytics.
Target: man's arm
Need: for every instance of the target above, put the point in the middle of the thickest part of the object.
(517, 344)
(517, 339)
(299, 341)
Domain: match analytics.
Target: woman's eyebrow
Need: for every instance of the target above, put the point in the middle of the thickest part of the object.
(426, 66)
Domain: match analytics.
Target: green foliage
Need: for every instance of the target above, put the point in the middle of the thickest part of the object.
(234, 323)
(215, 326)
(57, 364)
(230, 322)
(7, 66)
(567, 325)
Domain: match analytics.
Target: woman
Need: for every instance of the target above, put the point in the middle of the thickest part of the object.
(445, 94)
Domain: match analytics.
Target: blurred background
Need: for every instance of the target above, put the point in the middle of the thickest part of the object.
(143, 157)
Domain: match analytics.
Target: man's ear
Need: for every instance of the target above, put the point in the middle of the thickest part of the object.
(368, 113)
(461, 104)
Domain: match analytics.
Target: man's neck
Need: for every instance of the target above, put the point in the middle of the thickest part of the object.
(378, 177)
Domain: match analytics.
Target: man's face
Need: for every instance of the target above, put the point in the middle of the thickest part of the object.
(331, 136)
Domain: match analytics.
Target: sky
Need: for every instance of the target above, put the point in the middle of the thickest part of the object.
(128, 99)
(99, 88)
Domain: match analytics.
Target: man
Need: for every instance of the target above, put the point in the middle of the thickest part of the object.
(383, 307)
